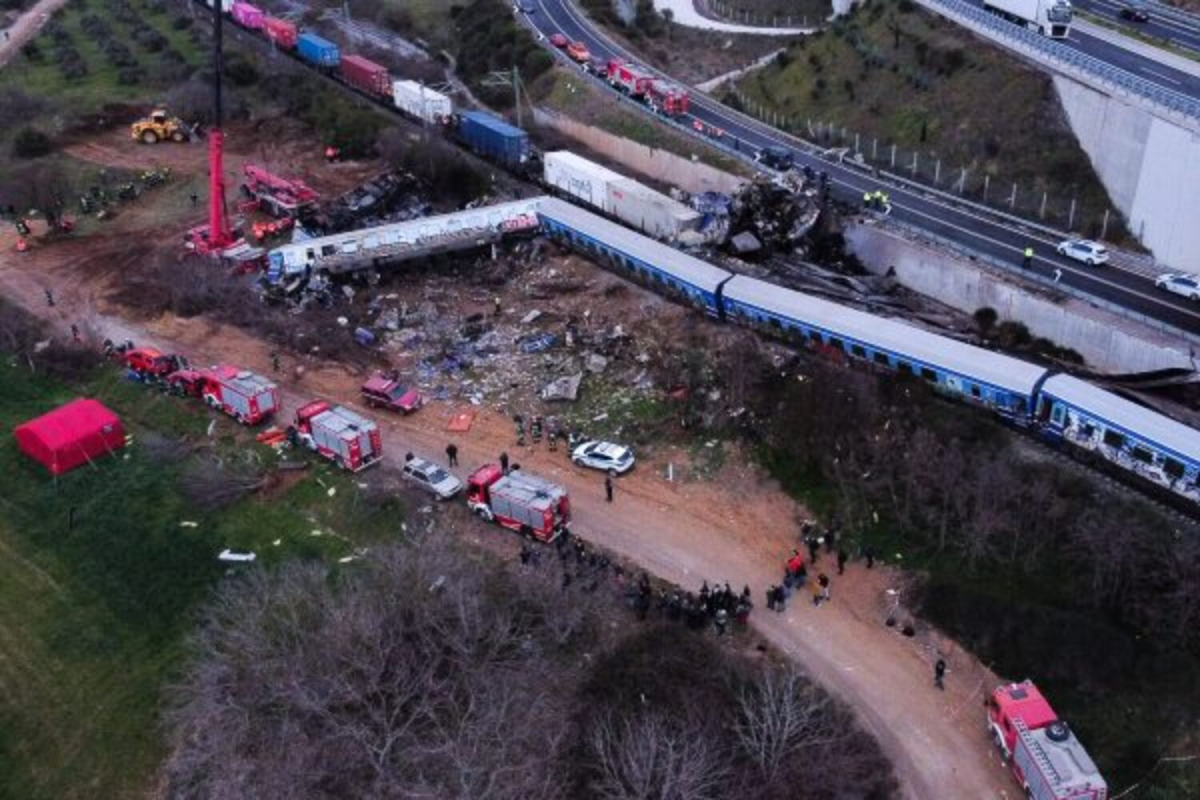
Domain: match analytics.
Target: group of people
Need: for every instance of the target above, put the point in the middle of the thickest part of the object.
(877, 200)
(717, 607)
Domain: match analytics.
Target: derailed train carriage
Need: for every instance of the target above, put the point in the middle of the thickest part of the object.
(1061, 407)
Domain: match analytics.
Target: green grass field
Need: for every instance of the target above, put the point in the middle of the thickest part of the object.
(92, 615)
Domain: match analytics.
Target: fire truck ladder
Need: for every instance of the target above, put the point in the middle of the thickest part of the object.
(1036, 752)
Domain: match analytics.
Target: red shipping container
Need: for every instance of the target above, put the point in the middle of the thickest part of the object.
(248, 16)
(281, 32)
(71, 435)
(364, 74)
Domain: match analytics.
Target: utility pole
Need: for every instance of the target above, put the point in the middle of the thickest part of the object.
(504, 78)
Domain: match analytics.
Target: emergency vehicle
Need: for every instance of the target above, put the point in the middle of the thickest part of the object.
(525, 503)
(243, 395)
(151, 363)
(1045, 757)
(385, 389)
(629, 78)
(348, 439)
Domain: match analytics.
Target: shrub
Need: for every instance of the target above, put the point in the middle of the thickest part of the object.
(241, 72)
(181, 23)
(985, 319)
(31, 143)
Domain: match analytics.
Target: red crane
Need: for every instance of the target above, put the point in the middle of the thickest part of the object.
(217, 237)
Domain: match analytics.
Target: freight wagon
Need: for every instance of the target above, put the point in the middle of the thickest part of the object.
(365, 74)
(493, 138)
(622, 198)
(317, 51)
(280, 32)
(348, 439)
(249, 17)
(420, 102)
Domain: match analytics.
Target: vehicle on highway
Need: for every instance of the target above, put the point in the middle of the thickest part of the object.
(1048, 17)
(777, 158)
(525, 6)
(430, 477)
(1091, 253)
(1180, 283)
(604, 456)
(559, 41)
(578, 51)
(1134, 13)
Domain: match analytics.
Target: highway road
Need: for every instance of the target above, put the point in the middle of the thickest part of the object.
(973, 228)
(1182, 33)
(1145, 68)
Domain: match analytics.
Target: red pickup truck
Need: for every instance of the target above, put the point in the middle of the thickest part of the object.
(384, 389)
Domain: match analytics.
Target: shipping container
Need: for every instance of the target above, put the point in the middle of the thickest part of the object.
(365, 74)
(420, 102)
(317, 51)
(493, 137)
(651, 212)
(248, 16)
(281, 32)
(579, 178)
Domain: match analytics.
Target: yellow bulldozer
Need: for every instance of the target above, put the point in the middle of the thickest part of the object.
(158, 127)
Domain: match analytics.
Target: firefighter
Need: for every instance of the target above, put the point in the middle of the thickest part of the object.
(504, 463)
(49, 298)
(842, 557)
(74, 332)
(535, 429)
(275, 361)
(868, 197)
(496, 306)
(1028, 257)
(552, 438)
(869, 555)
(939, 674)
(720, 620)
(452, 454)
(608, 488)
(813, 544)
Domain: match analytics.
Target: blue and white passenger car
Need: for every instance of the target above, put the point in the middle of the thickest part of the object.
(1006, 385)
(660, 267)
(1134, 438)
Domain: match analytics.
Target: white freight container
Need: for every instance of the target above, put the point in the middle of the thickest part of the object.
(420, 101)
(651, 212)
(584, 180)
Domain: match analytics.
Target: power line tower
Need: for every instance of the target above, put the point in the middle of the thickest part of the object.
(503, 79)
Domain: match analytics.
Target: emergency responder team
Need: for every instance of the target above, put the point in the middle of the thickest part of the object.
(876, 200)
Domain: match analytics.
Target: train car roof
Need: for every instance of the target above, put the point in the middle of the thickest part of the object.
(687, 268)
(1138, 420)
(896, 337)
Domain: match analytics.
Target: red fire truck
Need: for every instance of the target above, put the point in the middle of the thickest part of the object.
(533, 506)
(1045, 757)
(149, 363)
(667, 98)
(349, 440)
(246, 397)
(629, 78)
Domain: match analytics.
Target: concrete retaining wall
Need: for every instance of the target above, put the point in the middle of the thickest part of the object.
(1108, 343)
(659, 165)
(1150, 167)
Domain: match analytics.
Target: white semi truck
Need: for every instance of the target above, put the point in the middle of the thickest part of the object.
(1048, 17)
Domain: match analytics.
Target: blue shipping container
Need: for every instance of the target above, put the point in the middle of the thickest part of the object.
(493, 137)
(315, 50)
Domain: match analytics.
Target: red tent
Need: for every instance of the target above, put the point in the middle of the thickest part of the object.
(71, 435)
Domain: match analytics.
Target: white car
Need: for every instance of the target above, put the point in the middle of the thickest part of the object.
(1091, 253)
(603, 455)
(1180, 283)
(431, 477)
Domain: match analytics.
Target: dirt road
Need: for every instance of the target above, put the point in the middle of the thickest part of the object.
(26, 27)
(738, 528)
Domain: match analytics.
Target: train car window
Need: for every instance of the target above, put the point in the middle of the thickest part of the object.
(858, 350)
(1114, 439)
(1058, 414)
(975, 391)
(1173, 468)
(835, 343)
(1143, 455)
(881, 358)
(905, 367)
(815, 336)
(928, 374)
(774, 323)
(1088, 430)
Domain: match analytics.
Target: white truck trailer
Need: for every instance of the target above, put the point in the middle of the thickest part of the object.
(1048, 17)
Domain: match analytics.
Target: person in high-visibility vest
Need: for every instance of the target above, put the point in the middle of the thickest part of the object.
(867, 198)
(1028, 257)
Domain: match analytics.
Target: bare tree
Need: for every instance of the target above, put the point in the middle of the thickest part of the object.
(650, 758)
(781, 715)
